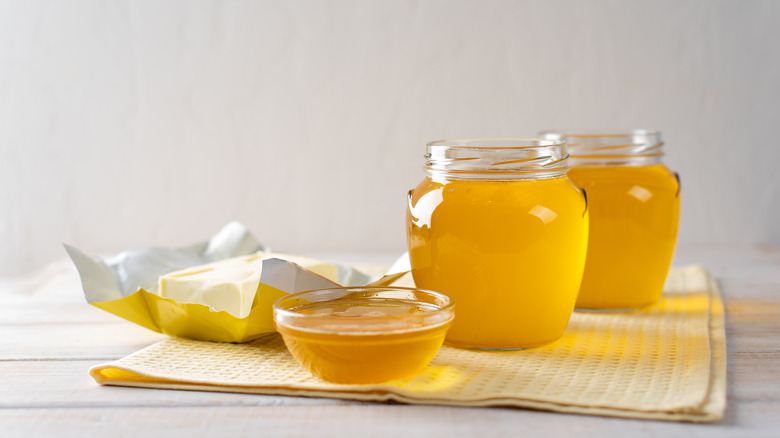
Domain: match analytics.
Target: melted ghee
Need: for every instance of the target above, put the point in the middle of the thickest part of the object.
(634, 211)
(361, 342)
(509, 253)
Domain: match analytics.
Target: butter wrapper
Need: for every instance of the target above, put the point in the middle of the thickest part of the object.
(127, 286)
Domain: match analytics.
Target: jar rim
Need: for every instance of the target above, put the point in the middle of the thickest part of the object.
(628, 147)
(497, 158)
(596, 133)
(497, 143)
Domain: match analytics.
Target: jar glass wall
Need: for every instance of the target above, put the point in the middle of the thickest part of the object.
(498, 226)
(634, 212)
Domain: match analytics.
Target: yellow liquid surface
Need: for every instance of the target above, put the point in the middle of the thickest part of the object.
(634, 211)
(360, 342)
(510, 254)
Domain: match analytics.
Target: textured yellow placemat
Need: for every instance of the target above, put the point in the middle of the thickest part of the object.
(665, 362)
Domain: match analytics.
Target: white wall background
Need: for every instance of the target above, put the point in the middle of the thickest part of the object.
(135, 123)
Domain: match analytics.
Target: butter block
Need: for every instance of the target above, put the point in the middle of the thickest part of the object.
(230, 285)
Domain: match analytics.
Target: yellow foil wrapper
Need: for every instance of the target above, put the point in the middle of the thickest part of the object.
(126, 285)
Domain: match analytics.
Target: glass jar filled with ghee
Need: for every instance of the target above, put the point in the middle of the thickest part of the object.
(634, 212)
(498, 226)
(364, 334)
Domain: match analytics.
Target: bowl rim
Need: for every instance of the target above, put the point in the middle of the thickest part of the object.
(442, 313)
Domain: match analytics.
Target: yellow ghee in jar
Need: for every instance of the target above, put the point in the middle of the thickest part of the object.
(634, 212)
(337, 345)
(509, 252)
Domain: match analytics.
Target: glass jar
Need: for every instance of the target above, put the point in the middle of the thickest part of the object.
(498, 226)
(634, 212)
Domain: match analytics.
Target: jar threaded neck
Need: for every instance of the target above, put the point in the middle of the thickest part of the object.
(637, 147)
(497, 159)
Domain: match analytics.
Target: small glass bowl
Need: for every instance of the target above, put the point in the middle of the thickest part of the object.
(364, 334)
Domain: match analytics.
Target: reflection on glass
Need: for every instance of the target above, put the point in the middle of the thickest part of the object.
(640, 193)
(543, 213)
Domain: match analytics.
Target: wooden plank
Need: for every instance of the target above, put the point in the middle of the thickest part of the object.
(752, 326)
(48, 313)
(752, 339)
(66, 384)
(73, 341)
(376, 420)
(753, 377)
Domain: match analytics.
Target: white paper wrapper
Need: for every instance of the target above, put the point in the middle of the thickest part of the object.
(127, 285)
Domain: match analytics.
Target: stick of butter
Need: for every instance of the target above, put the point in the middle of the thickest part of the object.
(230, 285)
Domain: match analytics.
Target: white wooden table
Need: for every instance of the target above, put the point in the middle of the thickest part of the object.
(49, 338)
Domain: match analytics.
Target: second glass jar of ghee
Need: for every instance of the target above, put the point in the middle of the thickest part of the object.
(497, 225)
(634, 211)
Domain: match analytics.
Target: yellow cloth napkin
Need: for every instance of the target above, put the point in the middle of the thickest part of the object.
(665, 362)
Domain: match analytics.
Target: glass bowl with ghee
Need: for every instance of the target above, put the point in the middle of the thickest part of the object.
(366, 334)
